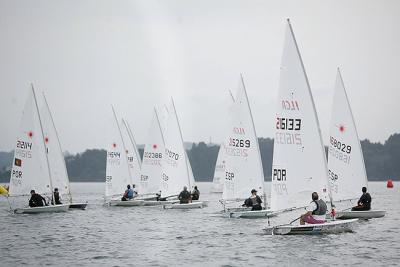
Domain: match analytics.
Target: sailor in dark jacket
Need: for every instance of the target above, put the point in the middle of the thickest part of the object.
(36, 200)
(195, 193)
(56, 197)
(254, 201)
(185, 196)
(364, 203)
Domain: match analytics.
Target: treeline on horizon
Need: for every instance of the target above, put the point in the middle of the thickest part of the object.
(381, 160)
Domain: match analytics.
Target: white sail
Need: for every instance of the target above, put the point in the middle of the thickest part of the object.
(117, 170)
(163, 114)
(243, 168)
(151, 172)
(345, 158)
(58, 168)
(132, 153)
(175, 168)
(191, 176)
(30, 168)
(299, 164)
(219, 171)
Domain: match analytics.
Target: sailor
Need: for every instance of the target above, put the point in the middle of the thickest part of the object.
(254, 201)
(135, 193)
(195, 193)
(316, 211)
(56, 197)
(184, 197)
(364, 203)
(159, 198)
(128, 193)
(36, 200)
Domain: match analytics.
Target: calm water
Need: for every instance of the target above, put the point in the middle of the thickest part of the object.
(102, 236)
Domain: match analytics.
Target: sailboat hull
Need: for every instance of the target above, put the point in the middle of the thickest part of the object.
(193, 205)
(128, 203)
(332, 227)
(44, 209)
(249, 214)
(158, 203)
(81, 206)
(367, 214)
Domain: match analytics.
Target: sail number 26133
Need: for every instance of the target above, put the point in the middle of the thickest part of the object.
(288, 124)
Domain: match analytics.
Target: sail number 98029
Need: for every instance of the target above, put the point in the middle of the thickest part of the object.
(339, 145)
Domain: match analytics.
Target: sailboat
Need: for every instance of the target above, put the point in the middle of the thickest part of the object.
(299, 163)
(150, 177)
(132, 153)
(31, 168)
(58, 168)
(176, 170)
(118, 170)
(243, 167)
(347, 173)
(219, 172)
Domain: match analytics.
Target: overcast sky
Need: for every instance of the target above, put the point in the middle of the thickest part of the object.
(86, 55)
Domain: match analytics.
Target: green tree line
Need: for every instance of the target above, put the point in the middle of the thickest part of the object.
(382, 161)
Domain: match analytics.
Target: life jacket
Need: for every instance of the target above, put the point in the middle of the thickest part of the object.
(321, 207)
(255, 201)
(129, 193)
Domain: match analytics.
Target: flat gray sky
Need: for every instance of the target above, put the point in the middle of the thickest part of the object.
(86, 55)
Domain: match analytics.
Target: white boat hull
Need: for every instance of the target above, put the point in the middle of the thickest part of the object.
(127, 203)
(81, 206)
(43, 209)
(249, 214)
(193, 205)
(367, 214)
(158, 203)
(330, 227)
(204, 203)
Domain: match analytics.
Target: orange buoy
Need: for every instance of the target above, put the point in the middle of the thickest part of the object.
(389, 184)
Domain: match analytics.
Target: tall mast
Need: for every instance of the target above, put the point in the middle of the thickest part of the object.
(44, 142)
(123, 145)
(354, 123)
(130, 134)
(59, 145)
(322, 151)
(184, 151)
(159, 126)
(255, 135)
